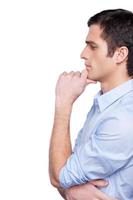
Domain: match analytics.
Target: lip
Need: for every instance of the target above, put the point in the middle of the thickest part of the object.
(88, 66)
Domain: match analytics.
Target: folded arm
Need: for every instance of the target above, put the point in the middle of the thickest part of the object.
(86, 191)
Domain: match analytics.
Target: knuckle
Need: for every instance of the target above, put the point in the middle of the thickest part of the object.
(71, 73)
(78, 74)
(64, 73)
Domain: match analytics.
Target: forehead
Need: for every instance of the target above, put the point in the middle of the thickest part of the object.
(94, 34)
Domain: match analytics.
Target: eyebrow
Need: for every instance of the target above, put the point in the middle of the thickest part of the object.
(91, 43)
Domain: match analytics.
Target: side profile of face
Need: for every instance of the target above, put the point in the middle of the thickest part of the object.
(99, 65)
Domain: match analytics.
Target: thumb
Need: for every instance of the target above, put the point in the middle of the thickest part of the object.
(84, 75)
(90, 81)
(99, 183)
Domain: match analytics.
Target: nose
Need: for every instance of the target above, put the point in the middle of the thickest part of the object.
(83, 54)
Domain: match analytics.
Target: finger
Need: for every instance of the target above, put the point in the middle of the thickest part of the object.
(84, 74)
(90, 81)
(71, 73)
(64, 73)
(108, 198)
(98, 194)
(77, 74)
(103, 196)
(99, 183)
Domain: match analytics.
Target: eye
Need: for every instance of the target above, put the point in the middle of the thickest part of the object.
(93, 47)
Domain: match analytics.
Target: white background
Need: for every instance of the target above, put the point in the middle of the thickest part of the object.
(39, 39)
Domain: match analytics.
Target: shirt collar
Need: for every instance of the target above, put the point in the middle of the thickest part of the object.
(103, 101)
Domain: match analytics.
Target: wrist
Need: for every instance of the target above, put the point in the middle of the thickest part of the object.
(62, 104)
(64, 100)
(63, 110)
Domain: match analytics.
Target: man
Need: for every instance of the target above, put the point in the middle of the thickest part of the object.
(103, 149)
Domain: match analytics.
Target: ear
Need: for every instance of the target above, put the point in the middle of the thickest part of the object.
(121, 54)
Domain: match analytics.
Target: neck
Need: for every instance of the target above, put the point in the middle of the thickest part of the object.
(110, 84)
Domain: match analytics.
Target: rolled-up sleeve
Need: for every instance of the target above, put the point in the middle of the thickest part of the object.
(106, 151)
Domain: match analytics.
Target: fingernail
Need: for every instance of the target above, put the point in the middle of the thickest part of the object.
(106, 183)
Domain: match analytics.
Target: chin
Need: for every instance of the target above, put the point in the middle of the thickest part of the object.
(92, 78)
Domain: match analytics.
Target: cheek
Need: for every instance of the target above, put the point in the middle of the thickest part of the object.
(98, 61)
(101, 59)
(101, 66)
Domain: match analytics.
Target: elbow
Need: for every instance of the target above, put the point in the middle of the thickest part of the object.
(55, 182)
(54, 178)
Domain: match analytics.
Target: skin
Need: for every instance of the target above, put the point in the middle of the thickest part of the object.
(110, 72)
(87, 191)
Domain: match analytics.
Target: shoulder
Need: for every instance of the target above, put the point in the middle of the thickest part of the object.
(127, 103)
(123, 111)
(119, 120)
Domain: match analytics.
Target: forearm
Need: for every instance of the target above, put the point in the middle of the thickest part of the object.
(62, 192)
(60, 145)
(69, 87)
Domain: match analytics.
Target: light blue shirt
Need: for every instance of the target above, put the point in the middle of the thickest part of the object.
(104, 146)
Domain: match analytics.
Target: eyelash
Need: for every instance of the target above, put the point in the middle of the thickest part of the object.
(91, 47)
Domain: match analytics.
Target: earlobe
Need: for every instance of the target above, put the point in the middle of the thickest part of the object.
(121, 54)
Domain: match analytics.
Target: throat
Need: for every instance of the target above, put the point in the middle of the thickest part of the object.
(105, 87)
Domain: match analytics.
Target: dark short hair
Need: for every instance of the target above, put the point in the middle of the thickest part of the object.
(117, 31)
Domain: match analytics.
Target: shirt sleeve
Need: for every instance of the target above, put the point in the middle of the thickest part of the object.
(109, 149)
